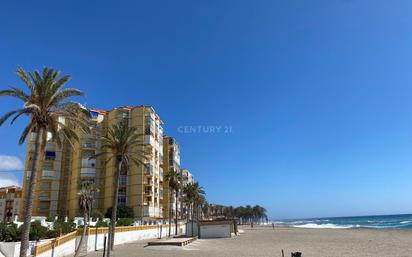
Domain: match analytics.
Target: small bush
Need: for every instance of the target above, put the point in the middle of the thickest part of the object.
(122, 212)
(64, 227)
(37, 231)
(52, 234)
(125, 222)
(11, 233)
(2, 230)
(50, 219)
(101, 223)
(96, 214)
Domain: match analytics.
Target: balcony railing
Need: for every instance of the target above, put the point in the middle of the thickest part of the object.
(44, 198)
(149, 140)
(50, 174)
(87, 172)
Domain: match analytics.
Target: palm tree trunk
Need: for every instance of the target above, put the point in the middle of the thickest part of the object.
(176, 193)
(197, 221)
(114, 208)
(85, 228)
(191, 216)
(39, 147)
(170, 211)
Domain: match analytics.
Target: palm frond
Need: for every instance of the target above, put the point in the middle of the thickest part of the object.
(25, 78)
(25, 132)
(12, 92)
(8, 115)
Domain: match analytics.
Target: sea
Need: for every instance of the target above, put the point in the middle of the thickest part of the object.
(403, 221)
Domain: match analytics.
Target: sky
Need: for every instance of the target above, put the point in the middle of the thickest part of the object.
(303, 107)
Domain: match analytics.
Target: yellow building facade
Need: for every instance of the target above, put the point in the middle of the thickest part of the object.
(65, 167)
(10, 201)
(171, 161)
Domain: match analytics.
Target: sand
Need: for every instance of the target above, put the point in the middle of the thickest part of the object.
(264, 241)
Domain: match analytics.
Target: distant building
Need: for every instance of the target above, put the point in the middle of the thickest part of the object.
(187, 177)
(171, 161)
(10, 201)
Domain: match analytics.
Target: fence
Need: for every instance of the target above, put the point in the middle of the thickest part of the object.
(42, 248)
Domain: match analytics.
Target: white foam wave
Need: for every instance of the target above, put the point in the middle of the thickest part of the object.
(328, 225)
(405, 222)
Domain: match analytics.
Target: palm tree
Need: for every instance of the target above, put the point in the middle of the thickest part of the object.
(49, 111)
(193, 194)
(86, 197)
(122, 144)
(173, 177)
(188, 191)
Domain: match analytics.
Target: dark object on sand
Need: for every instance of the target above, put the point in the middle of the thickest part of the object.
(283, 254)
(297, 254)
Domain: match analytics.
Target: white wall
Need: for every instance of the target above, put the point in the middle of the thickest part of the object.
(215, 231)
(189, 229)
(96, 242)
(12, 249)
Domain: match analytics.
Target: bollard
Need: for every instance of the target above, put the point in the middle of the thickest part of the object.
(104, 246)
(297, 254)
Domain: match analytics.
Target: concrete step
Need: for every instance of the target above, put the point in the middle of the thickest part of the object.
(182, 241)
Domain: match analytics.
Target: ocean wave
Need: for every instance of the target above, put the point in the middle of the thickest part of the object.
(405, 222)
(328, 225)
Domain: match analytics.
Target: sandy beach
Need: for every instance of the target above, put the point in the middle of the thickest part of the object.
(264, 241)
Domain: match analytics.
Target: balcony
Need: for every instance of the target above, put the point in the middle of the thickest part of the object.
(152, 212)
(149, 193)
(148, 139)
(87, 172)
(148, 170)
(146, 211)
(50, 174)
(44, 198)
(88, 163)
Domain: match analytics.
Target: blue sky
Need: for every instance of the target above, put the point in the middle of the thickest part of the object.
(317, 93)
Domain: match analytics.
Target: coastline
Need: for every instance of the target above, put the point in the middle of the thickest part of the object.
(334, 228)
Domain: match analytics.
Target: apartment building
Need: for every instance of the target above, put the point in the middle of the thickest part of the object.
(10, 201)
(67, 166)
(187, 177)
(171, 161)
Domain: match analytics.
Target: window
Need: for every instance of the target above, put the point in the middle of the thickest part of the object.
(148, 130)
(122, 191)
(94, 114)
(123, 179)
(49, 155)
(171, 140)
(121, 201)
